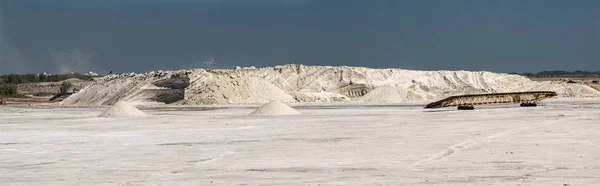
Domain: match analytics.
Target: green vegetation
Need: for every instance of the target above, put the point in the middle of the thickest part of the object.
(65, 86)
(36, 78)
(8, 90)
(565, 74)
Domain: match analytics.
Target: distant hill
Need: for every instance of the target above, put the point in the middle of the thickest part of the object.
(564, 74)
(17, 85)
(38, 78)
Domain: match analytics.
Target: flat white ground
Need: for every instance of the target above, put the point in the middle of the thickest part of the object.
(554, 144)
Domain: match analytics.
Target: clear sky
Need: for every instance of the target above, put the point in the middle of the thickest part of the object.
(143, 35)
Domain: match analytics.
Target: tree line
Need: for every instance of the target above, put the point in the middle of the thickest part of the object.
(565, 74)
(9, 82)
(37, 78)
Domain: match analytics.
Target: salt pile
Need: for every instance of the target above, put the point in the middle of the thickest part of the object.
(302, 83)
(235, 90)
(122, 109)
(274, 108)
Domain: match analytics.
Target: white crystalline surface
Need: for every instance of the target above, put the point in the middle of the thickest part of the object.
(555, 143)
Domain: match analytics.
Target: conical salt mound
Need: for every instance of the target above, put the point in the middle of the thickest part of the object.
(274, 108)
(122, 109)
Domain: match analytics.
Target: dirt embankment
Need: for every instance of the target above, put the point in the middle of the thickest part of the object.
(49, 89)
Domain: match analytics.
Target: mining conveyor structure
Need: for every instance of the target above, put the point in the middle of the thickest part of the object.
(467, 102)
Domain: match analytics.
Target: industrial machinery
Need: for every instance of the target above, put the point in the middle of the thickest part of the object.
(467, 102)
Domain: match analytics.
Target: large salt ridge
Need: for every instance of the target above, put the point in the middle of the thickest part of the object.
(302, 83)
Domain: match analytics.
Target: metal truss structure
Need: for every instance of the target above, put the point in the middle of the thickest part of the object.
(466, 102)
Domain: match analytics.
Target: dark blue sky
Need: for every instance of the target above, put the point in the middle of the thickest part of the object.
(145, 35)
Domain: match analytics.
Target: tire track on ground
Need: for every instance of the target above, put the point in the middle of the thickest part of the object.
(466, 144)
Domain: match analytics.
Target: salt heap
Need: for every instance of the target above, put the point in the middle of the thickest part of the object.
(301, 83)
(122, 109)
(274, 108)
